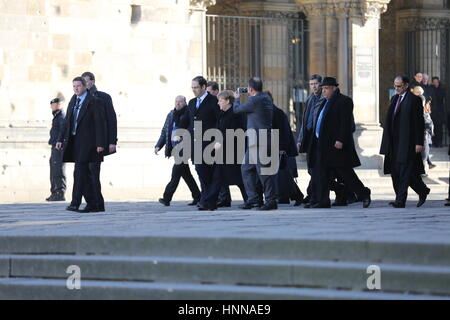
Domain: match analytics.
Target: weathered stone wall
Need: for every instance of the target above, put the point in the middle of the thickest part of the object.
(143, 57)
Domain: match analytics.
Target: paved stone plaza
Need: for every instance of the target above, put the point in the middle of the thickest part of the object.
(431, 223)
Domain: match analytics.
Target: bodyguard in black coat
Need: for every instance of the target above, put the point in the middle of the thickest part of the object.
(57, 167)
(287, 187)
(83, 140)
(402, 143)
(203, 110)
(334, 148)
(111, 136)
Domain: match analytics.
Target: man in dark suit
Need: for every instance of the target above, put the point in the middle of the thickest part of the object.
(304, 140)
(402, 143)
(57, 167)
(334, 148)
(111, 138)
(83, 140)
(168, 138)
(203, 112)
(259, 111)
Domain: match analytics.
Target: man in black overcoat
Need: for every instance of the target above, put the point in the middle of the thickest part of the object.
(111, 136)
(402, 144)
(83, 140)
(334, 148)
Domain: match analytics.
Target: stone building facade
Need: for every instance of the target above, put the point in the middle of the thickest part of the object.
(145, 52)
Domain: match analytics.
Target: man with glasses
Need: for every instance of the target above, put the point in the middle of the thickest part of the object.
(402, 144)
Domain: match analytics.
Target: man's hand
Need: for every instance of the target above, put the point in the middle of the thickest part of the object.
(237, 95)
(176, 138)
(58, 146)
(339, 145)
(419, 149)
(112, 148)
(157, 150)
(100, 149)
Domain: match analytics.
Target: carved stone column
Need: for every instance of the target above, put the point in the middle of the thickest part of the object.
(198, 13)
(349, 50)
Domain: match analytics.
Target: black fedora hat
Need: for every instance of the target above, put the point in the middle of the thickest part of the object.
(329, 81)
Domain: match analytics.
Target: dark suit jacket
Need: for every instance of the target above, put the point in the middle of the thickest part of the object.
(57, 127)
(303, 139)
(110, 115)
(91, 132)
(207, 113)
(402, 132)
(337, 126)
(259, 111)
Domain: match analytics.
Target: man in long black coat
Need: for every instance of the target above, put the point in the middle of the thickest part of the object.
(402, 144)
(111, 135)
(83, 140)
(204, 110)
(334, 148)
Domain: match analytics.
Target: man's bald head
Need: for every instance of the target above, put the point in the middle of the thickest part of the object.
(180, 102)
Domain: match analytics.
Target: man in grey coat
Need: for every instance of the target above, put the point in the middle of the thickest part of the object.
(259, 111)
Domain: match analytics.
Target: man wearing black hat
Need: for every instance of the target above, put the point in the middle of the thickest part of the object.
(57, 167)
(402, 144)
(334, 148)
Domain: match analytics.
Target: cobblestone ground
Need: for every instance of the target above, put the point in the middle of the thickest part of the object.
(431, 223)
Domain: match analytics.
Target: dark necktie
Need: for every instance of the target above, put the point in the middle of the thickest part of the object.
(397, 106)
(76, 111)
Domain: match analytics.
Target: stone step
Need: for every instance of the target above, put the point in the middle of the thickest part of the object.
(48, 289)
(251, 272)
(373, 252)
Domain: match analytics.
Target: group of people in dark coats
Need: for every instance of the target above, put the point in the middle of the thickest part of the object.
(211, 109)
(87, 135)
(326, 136)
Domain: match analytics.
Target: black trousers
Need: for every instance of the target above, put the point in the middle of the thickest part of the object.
(95, 185)
(211, 183)
(181, 171)
(57, 172)
(403, 176)
(225, 195)
(82, 187)
(438, 134)
(351, 182)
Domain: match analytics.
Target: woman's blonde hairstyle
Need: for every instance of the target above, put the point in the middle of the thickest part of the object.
(227, 95)
(418, 91)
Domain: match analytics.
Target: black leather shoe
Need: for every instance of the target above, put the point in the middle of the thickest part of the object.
(307, 205)
(194, 202)
(340, 203)
(398, 205)
(248, 206)
(422, 200)
(269, 206)
(72, 208)
(164, 202)
(56, 197)
(321, 206)
(88, 208)
(367, 201)
(202, 207)
(223, 204)
(298, 203)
